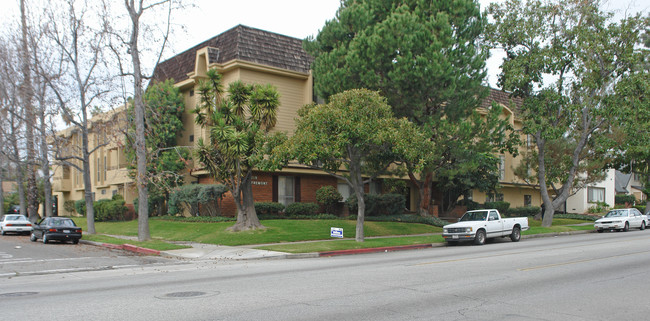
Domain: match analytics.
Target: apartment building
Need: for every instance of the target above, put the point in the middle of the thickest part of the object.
(257, 56)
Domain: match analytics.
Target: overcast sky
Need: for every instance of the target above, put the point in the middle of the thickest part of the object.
(300, 19)
(295, 18)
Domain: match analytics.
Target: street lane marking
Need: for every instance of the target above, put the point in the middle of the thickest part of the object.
(578, 261)
(533, 251)
(30, 260)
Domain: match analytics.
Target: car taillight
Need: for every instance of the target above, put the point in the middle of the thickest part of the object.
(52, 230)
(28, 224)
(9, 225)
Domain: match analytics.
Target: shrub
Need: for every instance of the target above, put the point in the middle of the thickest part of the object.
(524, 211)
(210, 197)
(69, 206)
(502, 207)
(623, 199)
(80, 207)
(198, 199)
(598, 208)
(406, 218)
(577, 217)
(109, 210)
(379, 204)
(469, 204)
(269, 208)
(296, 209)
(329, 197)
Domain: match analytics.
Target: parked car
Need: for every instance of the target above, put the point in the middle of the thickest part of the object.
(56, 229)
(621, 219)
(15, 224)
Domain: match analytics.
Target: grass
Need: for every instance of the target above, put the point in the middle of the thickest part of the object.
(292, 236)
(153, 244)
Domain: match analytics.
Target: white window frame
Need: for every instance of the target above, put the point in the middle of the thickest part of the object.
(286, 190)
(595, 194)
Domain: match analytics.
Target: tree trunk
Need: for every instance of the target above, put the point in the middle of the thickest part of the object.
(88, 196)
(140, 145)
(361, 214)
(246, 216)
(45, 162)
(27, 93)
(424, 190)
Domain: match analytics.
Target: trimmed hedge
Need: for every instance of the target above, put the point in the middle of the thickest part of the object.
(622, 199)
(379, 204)
(297, 209)
(577, 217)
(406, 218)
(200, 219)
(523, 211)
(268, 208)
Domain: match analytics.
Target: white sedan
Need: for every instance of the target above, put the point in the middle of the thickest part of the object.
(15, 223)
(621, 219)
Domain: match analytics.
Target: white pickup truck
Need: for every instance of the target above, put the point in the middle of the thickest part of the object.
(480, 225)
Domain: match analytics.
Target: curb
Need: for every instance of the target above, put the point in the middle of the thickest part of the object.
(125, 247)
(146, 251)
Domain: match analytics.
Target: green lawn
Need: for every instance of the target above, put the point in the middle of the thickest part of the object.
(282, 235)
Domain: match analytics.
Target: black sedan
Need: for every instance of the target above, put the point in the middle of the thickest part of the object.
(56, 229)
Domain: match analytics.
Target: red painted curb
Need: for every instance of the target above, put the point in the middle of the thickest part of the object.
(375, 250)
(113, 246)
(141, 250)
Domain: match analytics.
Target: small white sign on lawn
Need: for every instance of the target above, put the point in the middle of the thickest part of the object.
(336, 232)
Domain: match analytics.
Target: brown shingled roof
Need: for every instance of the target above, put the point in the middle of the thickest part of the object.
(243, 43)
(503, 98)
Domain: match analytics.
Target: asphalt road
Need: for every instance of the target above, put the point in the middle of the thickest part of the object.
(580, 277)
(20, 257)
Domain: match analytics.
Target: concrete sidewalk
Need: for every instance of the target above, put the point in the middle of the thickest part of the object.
(200, 251)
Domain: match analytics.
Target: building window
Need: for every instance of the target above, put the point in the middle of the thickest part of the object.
(374, 187)
(344, 190)
(595, 194)
(99, 174)
(191, 138)
(502, 168)
(286, 190)
(491, 197)
(528, 200)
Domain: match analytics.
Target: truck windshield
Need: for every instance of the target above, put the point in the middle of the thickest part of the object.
(474, 216)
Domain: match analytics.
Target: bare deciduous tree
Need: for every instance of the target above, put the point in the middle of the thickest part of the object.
(78, 32)
(134, 69)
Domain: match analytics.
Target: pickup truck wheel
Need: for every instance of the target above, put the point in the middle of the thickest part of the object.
(515, 236)
(627, 227)
(642, 226)
(480, 237)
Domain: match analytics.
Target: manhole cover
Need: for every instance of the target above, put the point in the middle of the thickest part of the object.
(186, 295)
(16, 294)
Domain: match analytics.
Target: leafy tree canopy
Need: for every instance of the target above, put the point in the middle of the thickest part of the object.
(423, 56)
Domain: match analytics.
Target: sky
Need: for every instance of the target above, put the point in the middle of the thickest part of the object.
(295, 18)
(300, 19)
